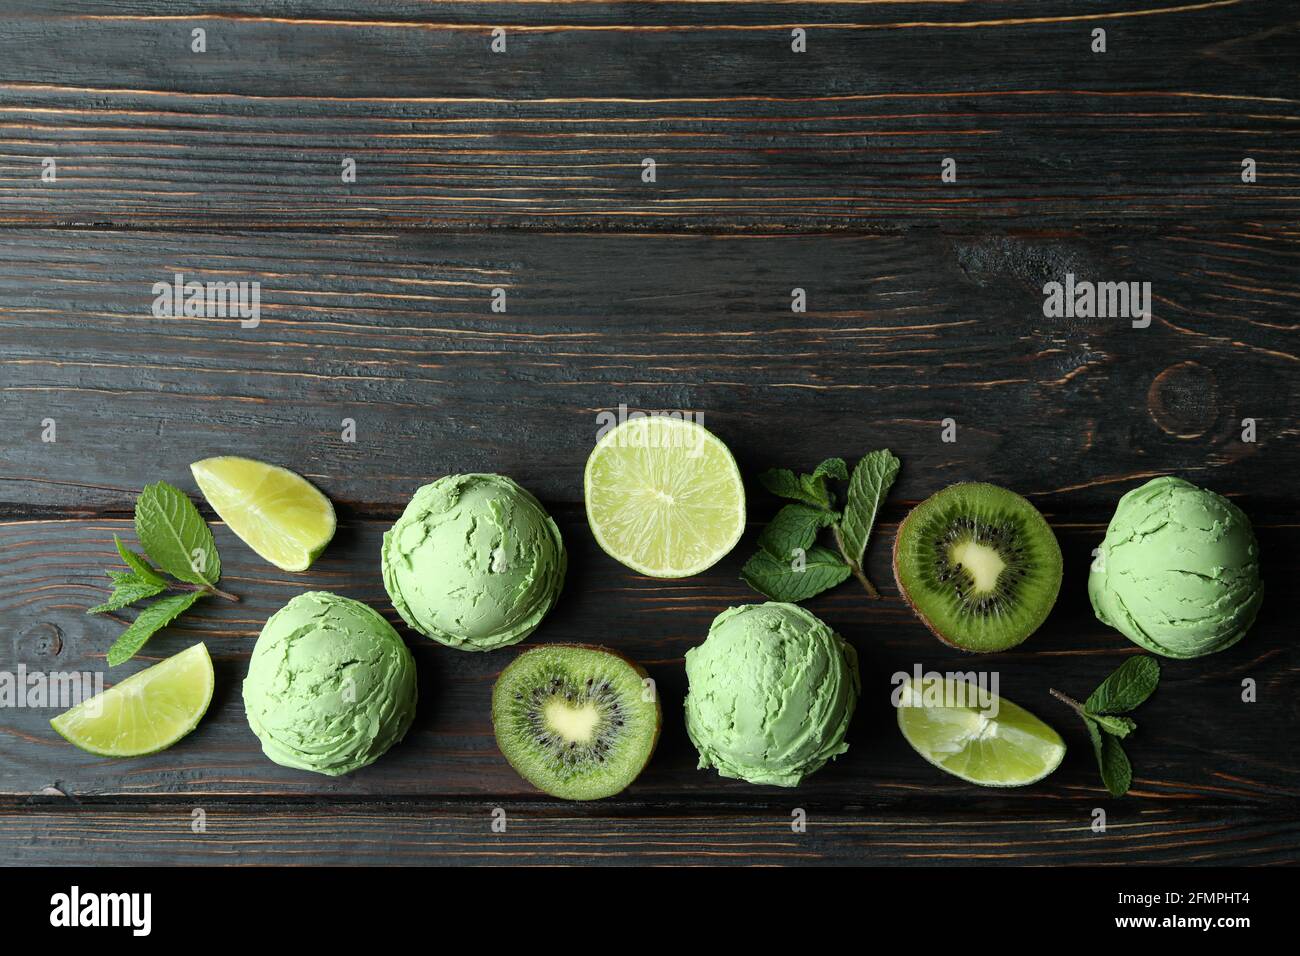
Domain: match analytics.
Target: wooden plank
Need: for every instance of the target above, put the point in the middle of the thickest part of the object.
(277, 835)
(396, 331)
(474, 172)
(746, 134)
(1197, 744)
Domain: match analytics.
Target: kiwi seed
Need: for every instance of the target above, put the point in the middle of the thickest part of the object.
(979, 565)
(574, 720)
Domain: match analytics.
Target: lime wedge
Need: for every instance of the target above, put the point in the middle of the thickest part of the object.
(985, 740)
(145, 713)
(664, 496)
(279, 514)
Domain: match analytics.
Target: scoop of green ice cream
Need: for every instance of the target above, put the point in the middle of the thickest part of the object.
(1178, 571)
(771, 693)
(330, 686)
(474, 562)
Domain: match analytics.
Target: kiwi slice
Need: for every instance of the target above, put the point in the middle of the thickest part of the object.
(979, 566)
(575, 721)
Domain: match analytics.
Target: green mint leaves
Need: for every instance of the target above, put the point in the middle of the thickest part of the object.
(176, 539)
(1132, 683)
(870, 483)
(151, 620)
(795, 579)
(795, 526)
(127, 589)
(175, 535)
(1116, 771)
(810, 489)
(790, 565)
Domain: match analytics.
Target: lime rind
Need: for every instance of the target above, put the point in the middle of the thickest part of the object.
(148, 712)
(1012, 749)
(278, 513)
(664, 496)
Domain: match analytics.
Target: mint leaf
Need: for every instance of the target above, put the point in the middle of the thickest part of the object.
(832, 468)
(871, 481)
(138, 564)
(1131, 683)
(1095, 735)
(1117, 726)
(175, 536)
(151, 620)
(795, 526)
(810, 489)
(783, 483)
(815, 490)
(127, 589)
(777, 578)
(1116, 772)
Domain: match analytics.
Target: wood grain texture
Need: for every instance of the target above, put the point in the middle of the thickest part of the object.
(396, 332)
(281, 835)
(746, 134)
(521, 171)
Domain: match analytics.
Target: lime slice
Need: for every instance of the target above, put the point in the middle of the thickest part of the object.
(985, 740)
(664, 496)
(277, 513)
(147, 712)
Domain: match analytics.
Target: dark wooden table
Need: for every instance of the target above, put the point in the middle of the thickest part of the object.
(522, 170)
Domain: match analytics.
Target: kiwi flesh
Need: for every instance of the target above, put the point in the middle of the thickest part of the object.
(979, 565)
(575, 721)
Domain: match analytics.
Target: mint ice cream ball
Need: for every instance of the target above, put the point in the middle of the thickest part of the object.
(1178, 571)
(474, 562)
(772, 690)
(330, 686)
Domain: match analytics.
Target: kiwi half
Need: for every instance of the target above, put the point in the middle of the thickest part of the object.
(575, 721)
(979, 566)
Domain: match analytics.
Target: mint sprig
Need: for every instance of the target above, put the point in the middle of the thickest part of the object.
(176, 539)
(789, 565)
(1128, 686)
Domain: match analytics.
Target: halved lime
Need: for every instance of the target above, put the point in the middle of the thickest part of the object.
(277, 513)
(145, 713)
(985, 740)
(664, 496)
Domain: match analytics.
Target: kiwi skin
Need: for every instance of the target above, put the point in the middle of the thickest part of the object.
(930, 625)
(641, 671)
(898, 583)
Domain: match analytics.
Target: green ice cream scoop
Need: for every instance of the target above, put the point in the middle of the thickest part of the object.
(330, 686)
(474, 562)
(1178, 571)
(771, 693)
